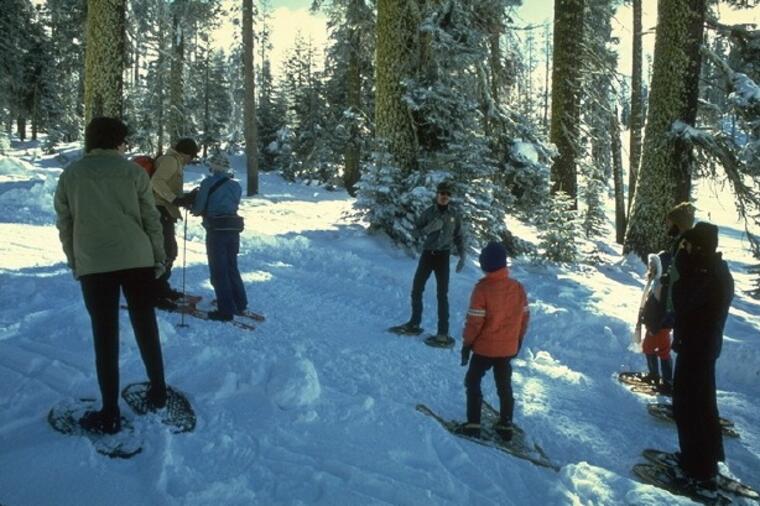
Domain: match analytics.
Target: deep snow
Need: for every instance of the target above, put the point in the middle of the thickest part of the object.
(316, 406)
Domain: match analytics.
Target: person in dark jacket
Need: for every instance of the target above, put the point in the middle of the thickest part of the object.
(702, 293)
(217, 201)
(111, 234)
(441, 225)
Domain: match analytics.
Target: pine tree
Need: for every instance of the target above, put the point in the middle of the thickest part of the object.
(249, 102)
(397, 24)
(559, 231)
(667, 163)
(566, 90)
(104, 58)
(637, 105)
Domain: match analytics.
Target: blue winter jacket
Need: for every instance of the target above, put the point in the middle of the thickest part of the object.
(224, 201)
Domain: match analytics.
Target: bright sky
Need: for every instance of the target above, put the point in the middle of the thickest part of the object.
(291, 16)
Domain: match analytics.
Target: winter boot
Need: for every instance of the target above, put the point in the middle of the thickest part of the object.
(219, 316)
(504, 430)
(468, 429)
(100, 422)
(155, 398)
(409, 329)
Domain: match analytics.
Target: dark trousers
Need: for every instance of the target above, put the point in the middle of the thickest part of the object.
(661, 368)
(438, 262)
(171, 249)
(502, 375)
(101, 294)
(222, 249)
(695, 409)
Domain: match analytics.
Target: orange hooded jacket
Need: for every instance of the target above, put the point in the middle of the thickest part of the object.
(498, 316)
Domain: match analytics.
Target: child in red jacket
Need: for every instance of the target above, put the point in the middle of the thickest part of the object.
(496, 323)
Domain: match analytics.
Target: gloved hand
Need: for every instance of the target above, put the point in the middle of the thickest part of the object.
(158, 270)
(433, 226)
(466, 350)
(460, 263)
(187, 200)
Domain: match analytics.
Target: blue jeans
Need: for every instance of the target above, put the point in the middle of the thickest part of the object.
(432, 262)
(222, 249)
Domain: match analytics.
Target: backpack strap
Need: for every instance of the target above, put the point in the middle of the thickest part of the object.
(211, 190)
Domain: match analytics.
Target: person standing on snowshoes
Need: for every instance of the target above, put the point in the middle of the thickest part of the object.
(111, 234)
(497, 320)
(441, 226)
(702, 293)
(657, 326)
(167, 183)
(217, 201)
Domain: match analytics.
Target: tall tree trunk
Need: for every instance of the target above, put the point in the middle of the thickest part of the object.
(104, 59)
(249, 102)
(176, 85)
(352, 154)
(665, 176)
(637, 106)
(21, 127)
(161, 23)
(617, 176)
(396, 40)
(35, 112)
(547, 55)
(206, 100)
(566, 92)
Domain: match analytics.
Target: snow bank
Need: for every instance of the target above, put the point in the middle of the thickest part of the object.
(294, 383)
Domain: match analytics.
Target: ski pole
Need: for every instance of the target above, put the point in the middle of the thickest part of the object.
(184, 264)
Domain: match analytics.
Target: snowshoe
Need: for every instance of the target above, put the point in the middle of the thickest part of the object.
(440, 341)
(406, 329)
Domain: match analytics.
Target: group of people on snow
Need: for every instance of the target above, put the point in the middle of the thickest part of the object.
(117, 228)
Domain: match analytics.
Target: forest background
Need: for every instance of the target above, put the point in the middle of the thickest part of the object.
(532, 111)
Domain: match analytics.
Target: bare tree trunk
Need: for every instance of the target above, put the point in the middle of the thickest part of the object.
(617, 176)
(353, 98)
(104, 58)
(249, 102)
(566, 92)
(547, 55)
(637, 106)
(176, 85)
(21, 127)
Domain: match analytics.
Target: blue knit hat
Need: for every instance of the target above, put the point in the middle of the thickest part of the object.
(493, 257)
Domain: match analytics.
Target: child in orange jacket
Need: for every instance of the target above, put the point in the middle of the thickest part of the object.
(496, 323)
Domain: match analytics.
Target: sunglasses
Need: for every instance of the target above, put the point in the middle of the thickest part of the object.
(447, 194)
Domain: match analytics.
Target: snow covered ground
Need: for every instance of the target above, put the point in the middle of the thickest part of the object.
(316, 406)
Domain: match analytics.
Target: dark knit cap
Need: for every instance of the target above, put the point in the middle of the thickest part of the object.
(493, 257)
(187, 146)
(703, 238)
(445, 186)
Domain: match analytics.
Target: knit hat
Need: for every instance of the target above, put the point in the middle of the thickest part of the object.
(445, 186)
(682, 216)
(493, 257)
(703, 238)
(218, 162)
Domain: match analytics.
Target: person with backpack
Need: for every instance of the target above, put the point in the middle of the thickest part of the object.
(217, 202)
(111, 234)
(702, 295)
(441, 226)
(497, 320)
(167, 182)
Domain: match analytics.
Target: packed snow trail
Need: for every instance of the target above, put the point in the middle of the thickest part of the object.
(317, 405)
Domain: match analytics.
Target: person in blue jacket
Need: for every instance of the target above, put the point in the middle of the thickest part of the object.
(217, 202)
